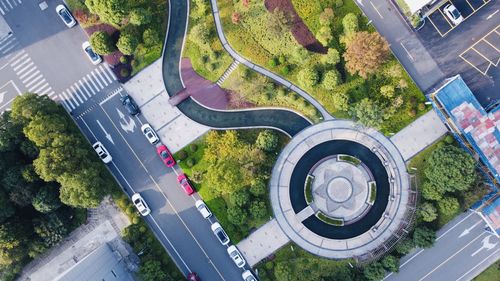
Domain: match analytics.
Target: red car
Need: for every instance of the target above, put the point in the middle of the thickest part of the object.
(182, 179)
(193, 277)
(165, 155)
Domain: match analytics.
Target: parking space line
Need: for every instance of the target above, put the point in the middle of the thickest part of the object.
(471, 64)
(481, 54)
(488, 42)
(470, 5)
(444, 16)
(437, 29)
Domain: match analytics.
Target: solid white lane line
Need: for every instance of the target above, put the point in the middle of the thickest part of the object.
(97, 80)
(485, 259)
(31, 64)
(89, 86)
(450, 257)
(73, 99)
(36, 85)
(110, 71)
(32, 81)
(76, 94)
(30, 75)
(93, 83)
(84, 88)
(68, 100)
(105, 74)
(17, 60)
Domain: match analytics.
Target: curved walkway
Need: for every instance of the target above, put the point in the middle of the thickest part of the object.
(220, 32)
(283, 120)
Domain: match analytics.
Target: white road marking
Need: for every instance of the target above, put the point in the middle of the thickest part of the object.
(21, 64)
(46, 91)
(467, 230)
(39, 90)
(72, 99)
(99, 74)
(6, 38)
(490, 16)
(97, 80)
(105, 74)
(31, 64)
(17, 55)
(76, 94)
(376, 10)
(485, 259)
(89, 86)
(51, 94)
(67, 99)
(17, 60)
(450, 257)
(85, 88)
(485, 245)
(406, 50)
(2, 12)
(110, 96)
(93, 83)
(110, 71)
(30, 76)
(10, 48)
(108, 136)
(12, 7)
(32, 81)
(7, 42)
(65, 104)
(36, 85)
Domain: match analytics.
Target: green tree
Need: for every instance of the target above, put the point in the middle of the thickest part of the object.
(258, 187)
(128, 42)
(258, 209)
(450, 169)
(387, 91)
(279, 21)
(374, 271)
(324, 35)
(236, 215)
(152, 270)
(368, 113)
(404, 246)
(12, 243)
(86, 188)
(12, 179)
(47, 199)
(308, 77)
(390, 263)
(350, 23)
(22, 195)
(240, 198)
(424, 237)
(150, 37)
(427, 212)
(267, 140)
(448, 206)
(110, 11)
(300, 55)
(326, 16)
(200, 35)
(101, 43)
(50, 228)
(331, 79)
(29, 106)
(11, 133)
(6, 208)
(331, 57)
(140, 16)
(431, 192)
(283, 272)
(365, 53)
(36, 248)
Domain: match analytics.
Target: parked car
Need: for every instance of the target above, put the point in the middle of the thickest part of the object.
(165, 155)
(102, 152)
(236, 256)
(130, 105)
(192, 276)
(150, 134)
(247, 275)
(220, 233)
(203, 209)
(140, 204)
(94, 58)
(184, 182)
(65, 15)
(453, 14)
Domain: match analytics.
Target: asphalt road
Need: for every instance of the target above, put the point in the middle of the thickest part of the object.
(46, 50)
(463, 249)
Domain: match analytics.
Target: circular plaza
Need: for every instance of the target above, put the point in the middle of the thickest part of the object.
(340, 190)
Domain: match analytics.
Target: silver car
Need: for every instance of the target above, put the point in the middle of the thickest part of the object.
(247, 275)
(93, 57)
(65, 15)
(236, 256)
(140, 204)
(150, 134)
(102, 152)
(220, 233)
(203, 209)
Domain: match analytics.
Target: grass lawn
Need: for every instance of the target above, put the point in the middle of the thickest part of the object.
(490, 274)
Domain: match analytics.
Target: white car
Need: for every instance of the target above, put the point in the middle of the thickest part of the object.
(102, 152)
(65, 15)
(248, 276)
(236, 256)
(203, 209)
(93, 57)
(220, 233)
(150, 134)
(140, 204)
(453, 14)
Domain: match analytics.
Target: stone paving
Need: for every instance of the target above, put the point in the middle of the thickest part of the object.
(174, 128)
(263, 242)
(421, 133)
(382, 231)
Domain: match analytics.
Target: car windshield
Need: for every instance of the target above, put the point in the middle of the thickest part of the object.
(91, 53)
(455, 13)
(65, 15)
(149, 134)
(221, 235)
(164, 154)
(183, 181)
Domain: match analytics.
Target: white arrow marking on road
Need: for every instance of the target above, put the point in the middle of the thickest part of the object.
(129, 125)
(108, 136)
(486, 245)
(467, 230)
(2, 95)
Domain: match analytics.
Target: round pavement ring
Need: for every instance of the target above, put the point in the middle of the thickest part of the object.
(340, 190)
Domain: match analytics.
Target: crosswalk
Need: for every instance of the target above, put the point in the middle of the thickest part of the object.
(87, 87)
(29, 74)
(7, 44)
(7, 5)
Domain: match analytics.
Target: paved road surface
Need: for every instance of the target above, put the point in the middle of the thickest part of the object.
(463, 249)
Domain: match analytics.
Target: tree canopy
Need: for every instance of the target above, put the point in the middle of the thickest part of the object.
(101, 43)
(110, 11)
(365, 53)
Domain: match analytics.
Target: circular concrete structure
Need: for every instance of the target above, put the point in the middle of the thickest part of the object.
(339, 190)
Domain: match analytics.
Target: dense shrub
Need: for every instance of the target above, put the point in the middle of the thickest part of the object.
(236, 215)
(190, 162)
(308, 77)
(128, 42)
(150, 37)
(332, 57)
(258, 209)
(350, 23)
(448, 206)
(193, 147)
(365, 53)
(123, 59)
(182, 155)
(267, 140)
(240, 198)
(424, 237)
(140, 16)
(427, 212)
(258, 187)
(331, 79)
(101, 43)
(124, 72)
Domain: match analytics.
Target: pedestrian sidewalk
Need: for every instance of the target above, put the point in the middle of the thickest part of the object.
(174, 128)
(263, 242)
(421, 133)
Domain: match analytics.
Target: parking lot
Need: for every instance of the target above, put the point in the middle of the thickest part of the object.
(471, 48)
(443, 24)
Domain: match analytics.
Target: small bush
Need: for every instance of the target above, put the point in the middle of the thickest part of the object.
(124, 72)
(136, 220)
(190, 162)
(281, 59)
(285, 70)
(193, 147)
(449, 139)
(210, 66)
(308, 77)
(273, 62)
(123, 59)
(421, 106)
(350, 23)
(339, 3)
(134, 63)
(182, 155)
